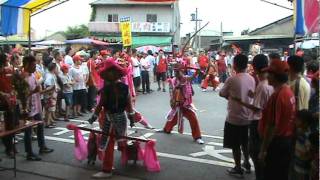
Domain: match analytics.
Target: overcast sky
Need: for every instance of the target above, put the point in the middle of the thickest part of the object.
(236, 15)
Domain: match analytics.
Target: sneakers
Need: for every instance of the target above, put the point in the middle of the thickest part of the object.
(204, 90)
(101, 175)
(200, 141)
(159, 89)
(247, 167)
(235, 172)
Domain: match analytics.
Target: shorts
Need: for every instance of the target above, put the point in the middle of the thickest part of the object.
(78, 96)
(50, 104)
(235, 136)
(162, 76)
(68, 98)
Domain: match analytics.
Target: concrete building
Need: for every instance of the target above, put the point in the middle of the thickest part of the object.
(151, 23)
(273, 37)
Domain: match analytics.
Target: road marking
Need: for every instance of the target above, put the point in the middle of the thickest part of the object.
(62, 131)
(211, 151)
(160, 154)
(146, 136)
(173, 132)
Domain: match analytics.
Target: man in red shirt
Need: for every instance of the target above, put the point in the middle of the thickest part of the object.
(222, 66)
(92, 81)
(276, 126)
(203, 61)
(162, 66)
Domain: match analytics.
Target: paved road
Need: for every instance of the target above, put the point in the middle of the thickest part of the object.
(180, 157)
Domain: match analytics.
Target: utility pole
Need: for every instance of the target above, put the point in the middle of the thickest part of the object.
(194, 17)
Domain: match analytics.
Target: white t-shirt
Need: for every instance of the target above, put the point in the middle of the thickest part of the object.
(136, 67)
(152, 61)
(261, 96)
(78, 75)
(66, 81)
(145, 64)
(51, 80)
(68, 60)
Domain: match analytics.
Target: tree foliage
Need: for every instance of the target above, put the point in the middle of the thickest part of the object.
(76, 32)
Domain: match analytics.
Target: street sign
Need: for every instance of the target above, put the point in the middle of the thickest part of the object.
(125, 27)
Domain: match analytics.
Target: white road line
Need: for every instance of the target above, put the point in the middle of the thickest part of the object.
(174, 132)
(166, 155)
(198, 160)
(62, 131)
(146, 136)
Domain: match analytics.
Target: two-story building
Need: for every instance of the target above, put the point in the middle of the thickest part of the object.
(152, 23)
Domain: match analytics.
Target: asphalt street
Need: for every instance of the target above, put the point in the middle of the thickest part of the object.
(180, 157)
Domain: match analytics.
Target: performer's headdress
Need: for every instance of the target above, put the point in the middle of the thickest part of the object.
(110, 64)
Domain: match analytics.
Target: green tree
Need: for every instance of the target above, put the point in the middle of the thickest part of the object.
(76, 32)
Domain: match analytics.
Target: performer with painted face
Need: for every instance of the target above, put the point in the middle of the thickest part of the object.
(181, 104)
(117, 104)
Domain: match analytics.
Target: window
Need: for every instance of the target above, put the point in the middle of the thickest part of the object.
(151, 18)
(113, 18)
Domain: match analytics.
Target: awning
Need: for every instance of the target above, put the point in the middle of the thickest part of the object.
(151, 40)
(15, 15)
(87, 41)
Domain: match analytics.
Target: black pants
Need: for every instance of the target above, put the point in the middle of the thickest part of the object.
(223, 77)
(145, 81)
(137, 82)
(28, 136)
(278, 159)
(92, 94)
(254, 148)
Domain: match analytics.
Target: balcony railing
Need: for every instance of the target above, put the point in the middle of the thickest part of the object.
(113, 27)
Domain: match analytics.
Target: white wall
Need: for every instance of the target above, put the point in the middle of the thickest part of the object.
(137, 13)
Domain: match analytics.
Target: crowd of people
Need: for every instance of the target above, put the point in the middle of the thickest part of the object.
(273, 103)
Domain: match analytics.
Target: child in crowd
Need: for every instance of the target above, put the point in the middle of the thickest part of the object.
(67, 89)
(50, 97)
(302, 155)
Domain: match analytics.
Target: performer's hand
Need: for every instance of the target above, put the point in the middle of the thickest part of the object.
(93, 118)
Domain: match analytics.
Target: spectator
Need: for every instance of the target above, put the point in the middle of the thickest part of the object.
(162, 67)
(50, 98)
(57, 59)
(237, 121)
(92, 81)
(203, 61)
(136, 70)
(222, 66)
(145, 69)
(277, 124)
(67, 90)
(29, 65)
(260, 99)
(302, 154)
(274, 56)
(79, 86)
(68, 57)
(298, 84)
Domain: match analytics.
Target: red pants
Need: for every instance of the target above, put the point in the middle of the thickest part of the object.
(210, 79)
(191, 116)
(107, 163)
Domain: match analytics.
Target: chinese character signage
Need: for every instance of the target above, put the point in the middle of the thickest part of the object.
(162, 27)
(125, 27)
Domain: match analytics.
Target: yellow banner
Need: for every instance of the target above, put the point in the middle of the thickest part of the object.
(125, 27)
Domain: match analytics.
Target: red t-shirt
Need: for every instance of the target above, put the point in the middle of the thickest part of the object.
(203, 62)
(280, 110)
(93, 72)
(162, 65)
(222, 67)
